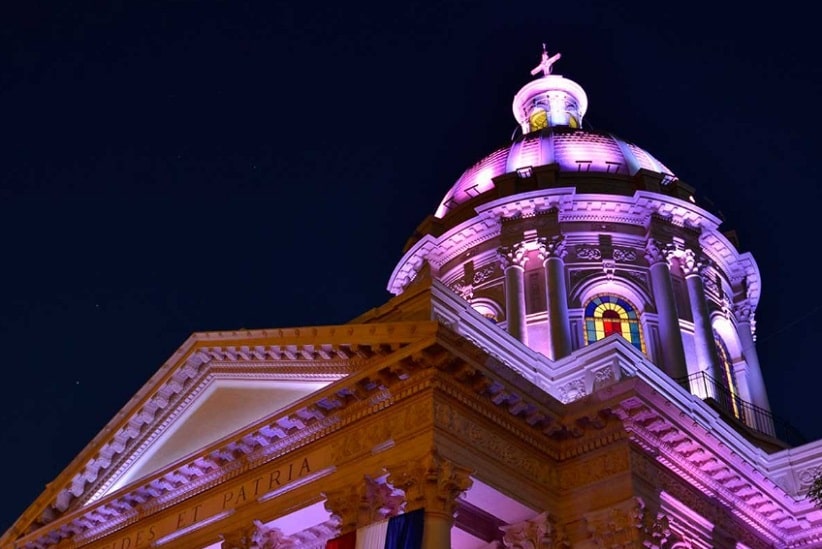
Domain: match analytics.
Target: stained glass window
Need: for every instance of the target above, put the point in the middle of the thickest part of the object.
(610, 314)
(728, 380)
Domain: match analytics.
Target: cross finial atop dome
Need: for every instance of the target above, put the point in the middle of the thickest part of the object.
(550, 99)
(546, 63)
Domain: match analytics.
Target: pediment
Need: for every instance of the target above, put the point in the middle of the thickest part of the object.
(226, 405)
(214, 385)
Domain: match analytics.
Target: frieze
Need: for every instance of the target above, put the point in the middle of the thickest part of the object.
(541, 471)
(624, 255)
(583, 472)
(397, 424)
(588, 253)
(807, 476)
(573, 390)
(486, 273)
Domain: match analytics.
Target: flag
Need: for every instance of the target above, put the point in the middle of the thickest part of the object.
(399, 532)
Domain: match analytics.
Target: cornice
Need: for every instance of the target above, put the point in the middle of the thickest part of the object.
(333, 351)
(701, 458)
(442, 362)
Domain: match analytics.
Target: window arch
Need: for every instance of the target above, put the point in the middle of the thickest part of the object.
(610, 314)
(487, 308)
(538, 119)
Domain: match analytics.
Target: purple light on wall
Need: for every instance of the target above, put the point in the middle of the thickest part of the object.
(573, 151)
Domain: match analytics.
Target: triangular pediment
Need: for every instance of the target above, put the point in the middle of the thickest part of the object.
(226, 405)
(214, 385)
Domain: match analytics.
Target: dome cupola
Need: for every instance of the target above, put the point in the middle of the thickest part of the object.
(549, 101)
(566, 236)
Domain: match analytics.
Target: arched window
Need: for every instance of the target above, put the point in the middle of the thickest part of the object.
(486, 311)
(609, 314)
(538, 120)
(728, 380)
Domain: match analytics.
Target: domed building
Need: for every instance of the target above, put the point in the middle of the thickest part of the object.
(568, 361)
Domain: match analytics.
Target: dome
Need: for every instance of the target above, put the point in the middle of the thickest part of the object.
(572, 150)
(549, 111)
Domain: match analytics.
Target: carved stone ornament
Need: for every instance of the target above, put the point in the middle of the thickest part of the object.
(513, 256)
(743, 311)
(657, 252)
(609, 268)
(691, 263)
(264, 537)
(344, 505)
(617, 526)
(432, 482)
(539, 532)
(588, 253)
(483, 274)
(552, 246)
(630, 524)
(381, 500)
(624, 256)
(465, 291)
(237, 539)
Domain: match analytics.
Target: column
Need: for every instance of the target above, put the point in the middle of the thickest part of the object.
(513, 263)
(744, 314)
(552, 253)
(704, 345)
(432, 483)
(672, 352)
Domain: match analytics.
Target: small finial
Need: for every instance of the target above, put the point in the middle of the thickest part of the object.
(546, 63)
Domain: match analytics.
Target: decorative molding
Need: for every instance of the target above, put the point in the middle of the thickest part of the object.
(539, 532)
(588, 253)
(582, 472)
(551, 247)
(431, 482)
(624, 255)
(513, 256)
(486, 273)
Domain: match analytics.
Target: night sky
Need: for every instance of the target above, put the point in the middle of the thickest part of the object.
(175, 167)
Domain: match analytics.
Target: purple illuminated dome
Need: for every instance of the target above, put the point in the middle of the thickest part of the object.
(549, 111)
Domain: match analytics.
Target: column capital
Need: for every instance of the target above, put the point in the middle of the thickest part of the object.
(344, 505)
(381, 500)
(431, 482)
(513, 256)
(692, 263)
(551, 246)
(743, 311)
(264, 537)
(539, 531)
(657, 251)
(240, 538)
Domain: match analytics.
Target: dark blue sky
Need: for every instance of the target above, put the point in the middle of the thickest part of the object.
(171, 167)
